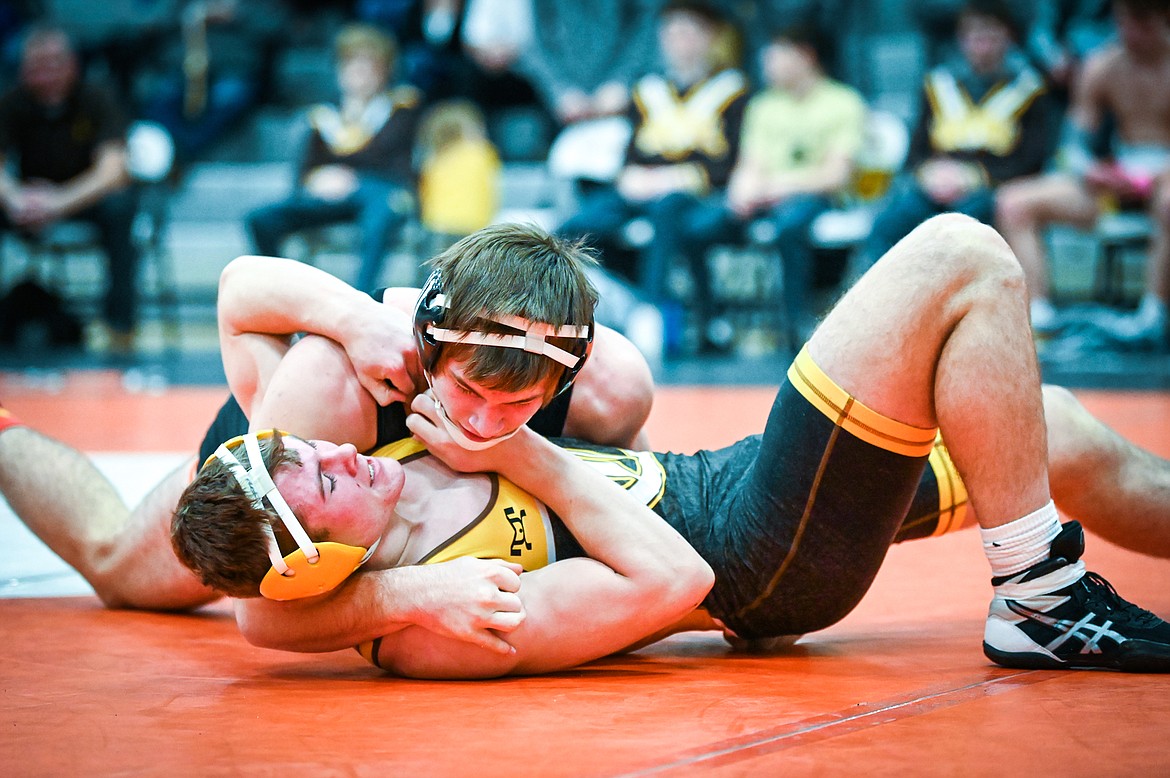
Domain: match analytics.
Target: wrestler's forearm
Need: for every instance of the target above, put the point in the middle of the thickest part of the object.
(274, 296)
(370, 605)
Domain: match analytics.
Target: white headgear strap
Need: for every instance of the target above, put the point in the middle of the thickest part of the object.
(259, 486)
(532, 341)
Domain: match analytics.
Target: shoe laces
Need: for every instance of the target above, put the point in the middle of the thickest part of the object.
(1100, 595)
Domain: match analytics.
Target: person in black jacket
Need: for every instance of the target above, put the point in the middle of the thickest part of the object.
(357, 165)
(686, 125)
(66, 139)
(985, 119)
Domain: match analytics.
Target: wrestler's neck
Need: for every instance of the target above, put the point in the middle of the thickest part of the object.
(435, 504)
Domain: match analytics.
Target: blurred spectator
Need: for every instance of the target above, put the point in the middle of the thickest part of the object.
(495, 33)
(685, 142)
(428, 36)
(984, 120)
(212, 69)
(1127, 83)
(800, 137)
(357, 165)
(471, 49)
(1062, 33)
(459, 170)
(583, 57)
(68, 141)
(938, 20)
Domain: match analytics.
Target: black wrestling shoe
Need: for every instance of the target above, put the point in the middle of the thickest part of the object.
(1039, 621)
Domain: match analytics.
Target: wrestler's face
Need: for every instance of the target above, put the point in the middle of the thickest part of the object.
(339, 494)
(984, 42)
(482, 413)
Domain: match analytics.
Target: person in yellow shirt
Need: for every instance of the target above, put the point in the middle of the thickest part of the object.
(460, 169)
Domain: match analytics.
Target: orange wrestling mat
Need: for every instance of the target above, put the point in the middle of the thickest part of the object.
(900, 687)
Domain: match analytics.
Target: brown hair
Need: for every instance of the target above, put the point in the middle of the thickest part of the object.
(219, 534)
(516, 270)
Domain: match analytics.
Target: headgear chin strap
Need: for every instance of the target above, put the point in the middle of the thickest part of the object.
(460, 437)
(313, 568)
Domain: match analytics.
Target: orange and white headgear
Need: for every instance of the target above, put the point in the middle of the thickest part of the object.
(314, 568)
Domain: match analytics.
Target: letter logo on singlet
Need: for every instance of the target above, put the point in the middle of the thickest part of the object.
(519, 539)
(638, 472)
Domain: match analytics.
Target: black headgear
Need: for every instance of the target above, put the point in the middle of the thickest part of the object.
(429, 334)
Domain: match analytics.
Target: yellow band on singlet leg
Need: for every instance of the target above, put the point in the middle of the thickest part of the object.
(854, 417)
(952, 492)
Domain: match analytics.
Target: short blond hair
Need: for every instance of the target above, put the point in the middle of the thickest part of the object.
(357, 40)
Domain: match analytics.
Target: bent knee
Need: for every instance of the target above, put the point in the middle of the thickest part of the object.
(967, 249)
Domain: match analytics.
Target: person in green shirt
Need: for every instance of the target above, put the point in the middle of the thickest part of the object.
(800, 136)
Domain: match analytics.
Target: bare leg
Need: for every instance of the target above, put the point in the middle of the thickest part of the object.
(1117, 490)
(1024, 208)
(125, 555)
(936, 334)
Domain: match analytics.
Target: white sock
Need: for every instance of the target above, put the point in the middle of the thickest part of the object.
(1017, 545)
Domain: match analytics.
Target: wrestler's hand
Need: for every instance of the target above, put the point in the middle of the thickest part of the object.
(473, 600)
(423, 422)
(383, 353)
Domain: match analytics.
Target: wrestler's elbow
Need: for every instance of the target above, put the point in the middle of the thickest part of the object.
(267, 624)
(680, 585)
(697, 582)
(254, 627)
(417, 653)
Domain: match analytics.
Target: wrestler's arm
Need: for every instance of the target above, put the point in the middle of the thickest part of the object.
(465, 600)
(641, 577)
(612, 394)
(281, 297)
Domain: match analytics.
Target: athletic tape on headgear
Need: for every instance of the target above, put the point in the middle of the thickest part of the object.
(429, 334)
(313, 568)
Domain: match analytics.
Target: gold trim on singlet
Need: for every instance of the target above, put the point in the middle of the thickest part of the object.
(854, 417)
(952, 492)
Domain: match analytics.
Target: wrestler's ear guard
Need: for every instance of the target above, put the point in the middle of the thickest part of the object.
(429, 334)
(428, 313)
(313, 568)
